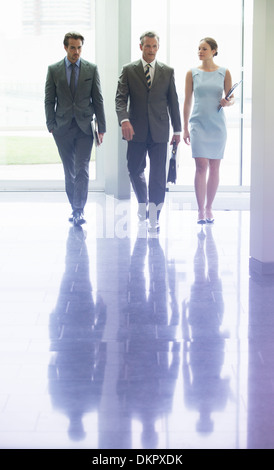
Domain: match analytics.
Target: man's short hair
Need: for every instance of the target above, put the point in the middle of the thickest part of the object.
(72, 35)
(149, 34)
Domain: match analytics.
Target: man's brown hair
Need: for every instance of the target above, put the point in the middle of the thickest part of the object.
(72, 35)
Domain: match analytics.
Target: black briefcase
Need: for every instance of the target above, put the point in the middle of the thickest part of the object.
(172, 171)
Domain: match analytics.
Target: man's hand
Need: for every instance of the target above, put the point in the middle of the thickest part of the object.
(101, 136)
(175, 138)
(127, 130)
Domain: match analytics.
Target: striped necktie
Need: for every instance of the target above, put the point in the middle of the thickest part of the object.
(147, 74)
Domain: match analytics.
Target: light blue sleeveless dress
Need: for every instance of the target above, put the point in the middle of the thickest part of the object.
(208, 132)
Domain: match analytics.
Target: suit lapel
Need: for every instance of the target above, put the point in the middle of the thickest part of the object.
(84, 73)
(61, 72)
(140, 72)
(157, 73)
(80, 77)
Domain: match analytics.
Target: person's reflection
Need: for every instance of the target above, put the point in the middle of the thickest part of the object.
(203, 357)
(76, 372)
(150, 364)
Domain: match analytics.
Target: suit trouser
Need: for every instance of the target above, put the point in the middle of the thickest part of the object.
(136, 160)
(74, 148)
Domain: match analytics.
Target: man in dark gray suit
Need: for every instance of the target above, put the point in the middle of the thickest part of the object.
(72, 97)
(146, 99)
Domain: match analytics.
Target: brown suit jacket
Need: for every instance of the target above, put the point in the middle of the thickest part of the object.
(148, 108)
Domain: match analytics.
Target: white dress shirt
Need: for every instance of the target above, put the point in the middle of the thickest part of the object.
(152, 68)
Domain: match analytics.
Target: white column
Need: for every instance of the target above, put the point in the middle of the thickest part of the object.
(113, 49)
(262, 158)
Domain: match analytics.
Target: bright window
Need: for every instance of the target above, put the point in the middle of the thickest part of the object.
(33, 32)
(181, 24)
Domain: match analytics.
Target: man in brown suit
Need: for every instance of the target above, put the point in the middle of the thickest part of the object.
(145, 103)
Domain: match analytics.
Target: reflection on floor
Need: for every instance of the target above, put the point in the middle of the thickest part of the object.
(114, 340)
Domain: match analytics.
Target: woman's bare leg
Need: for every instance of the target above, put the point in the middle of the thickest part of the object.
(200, 185)
(212, 186)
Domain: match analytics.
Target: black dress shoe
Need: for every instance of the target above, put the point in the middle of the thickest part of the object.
(78, 218)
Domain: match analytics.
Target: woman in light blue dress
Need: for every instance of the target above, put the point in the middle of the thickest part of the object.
(209, 83)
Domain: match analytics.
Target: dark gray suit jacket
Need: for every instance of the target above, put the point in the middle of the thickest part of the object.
(148, 108)
(60, 107)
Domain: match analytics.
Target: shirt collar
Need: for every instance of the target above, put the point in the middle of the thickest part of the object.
(68, 63)
(152, 64)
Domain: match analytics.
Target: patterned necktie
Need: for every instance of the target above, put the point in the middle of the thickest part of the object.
(72, 79)
(147, 74)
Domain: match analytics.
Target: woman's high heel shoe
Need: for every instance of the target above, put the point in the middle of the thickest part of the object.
(201, 217)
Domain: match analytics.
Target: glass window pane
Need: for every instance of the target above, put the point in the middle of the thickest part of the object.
(186, 31)
(149, 16)
(181, 25)
(34, 31)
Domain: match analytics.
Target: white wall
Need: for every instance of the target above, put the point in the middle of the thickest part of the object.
(262, 159)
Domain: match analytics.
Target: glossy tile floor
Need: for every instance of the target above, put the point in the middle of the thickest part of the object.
(114, 340)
